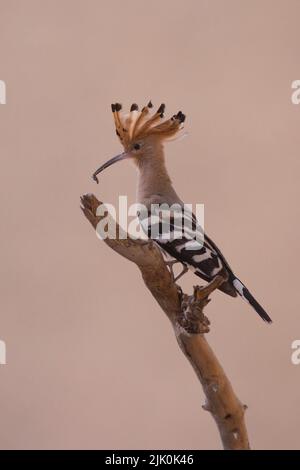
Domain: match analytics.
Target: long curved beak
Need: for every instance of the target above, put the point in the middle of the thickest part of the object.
(110, 162)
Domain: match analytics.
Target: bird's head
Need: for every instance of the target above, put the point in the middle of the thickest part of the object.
(141, 133)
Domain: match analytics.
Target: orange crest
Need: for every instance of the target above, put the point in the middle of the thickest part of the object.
(140, 124)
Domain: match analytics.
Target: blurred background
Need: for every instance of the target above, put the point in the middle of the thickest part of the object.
(91, 359)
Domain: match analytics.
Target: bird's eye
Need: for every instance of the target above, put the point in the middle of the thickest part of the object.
(137, 146)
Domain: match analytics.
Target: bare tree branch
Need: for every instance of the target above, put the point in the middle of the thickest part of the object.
(189, 322)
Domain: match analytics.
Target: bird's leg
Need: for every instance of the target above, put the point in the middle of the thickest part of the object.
(170, 265)
(184, 270)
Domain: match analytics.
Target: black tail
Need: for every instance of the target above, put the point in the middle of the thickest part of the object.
(245, 294)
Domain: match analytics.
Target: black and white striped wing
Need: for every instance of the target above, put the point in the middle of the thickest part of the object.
(180, 235)
(195, 250)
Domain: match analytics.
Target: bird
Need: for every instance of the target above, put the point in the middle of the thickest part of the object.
(143, 134)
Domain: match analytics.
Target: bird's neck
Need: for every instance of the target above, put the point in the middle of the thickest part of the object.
(154, 182)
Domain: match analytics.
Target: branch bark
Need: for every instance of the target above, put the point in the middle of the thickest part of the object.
(190, 324)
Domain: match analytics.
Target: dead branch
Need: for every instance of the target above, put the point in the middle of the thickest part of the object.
(189, 322)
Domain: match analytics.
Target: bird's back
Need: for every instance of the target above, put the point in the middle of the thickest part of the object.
(191, 247)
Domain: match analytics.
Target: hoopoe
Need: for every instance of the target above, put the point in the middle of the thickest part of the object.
(142, 135)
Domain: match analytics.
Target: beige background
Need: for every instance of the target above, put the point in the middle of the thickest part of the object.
(92, 361)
